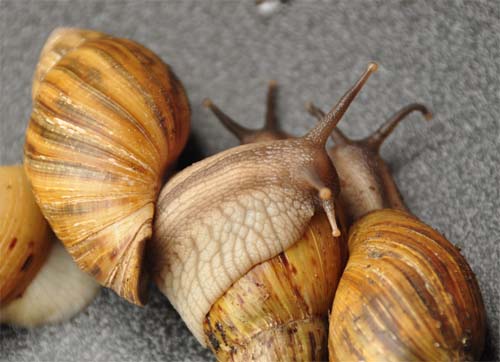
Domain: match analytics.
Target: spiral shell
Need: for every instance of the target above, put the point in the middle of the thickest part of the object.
(24, 234)
(406, 294)
(109, 117)
(278, 310)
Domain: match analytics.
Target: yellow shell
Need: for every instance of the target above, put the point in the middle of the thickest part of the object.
(109, 117)
(407, 294)
(278, 310)
(24, 234)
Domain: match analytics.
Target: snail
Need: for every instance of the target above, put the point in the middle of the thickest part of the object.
(406, 293)
(109, 118)
(39, 282)
(283, 302)
(222, 216)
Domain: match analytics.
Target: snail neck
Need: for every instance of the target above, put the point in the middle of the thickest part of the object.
(365, 180)
(366, 183)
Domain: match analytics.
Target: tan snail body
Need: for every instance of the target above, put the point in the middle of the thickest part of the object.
(222, 216)
(279, 308)
(406, 293)
(109, 117)
(39, 282)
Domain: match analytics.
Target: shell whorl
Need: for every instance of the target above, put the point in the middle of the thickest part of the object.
(406, 294)
(108, 118)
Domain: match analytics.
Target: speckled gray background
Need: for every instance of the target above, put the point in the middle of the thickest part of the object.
(446, 55)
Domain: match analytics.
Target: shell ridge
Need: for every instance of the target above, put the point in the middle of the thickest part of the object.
(122, 71)
(92, 150)
(108, 101)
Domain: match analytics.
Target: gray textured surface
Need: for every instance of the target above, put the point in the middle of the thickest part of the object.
(446, 55)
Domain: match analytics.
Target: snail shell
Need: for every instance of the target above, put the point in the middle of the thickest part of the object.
(109, 117)
(24, 234)
(278, 310)
(406, 294)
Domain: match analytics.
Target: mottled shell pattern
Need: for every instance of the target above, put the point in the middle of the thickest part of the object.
(25, 239)
(406, 294)
(109, 117)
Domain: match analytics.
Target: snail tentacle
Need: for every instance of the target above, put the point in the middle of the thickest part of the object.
(337, 135)
(375, 140)
(271, 117)
(231, 125)
(270, 131)
(319, 134)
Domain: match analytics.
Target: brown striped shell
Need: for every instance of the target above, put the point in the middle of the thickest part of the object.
(406, 294)
(109, 117)
(25, 238)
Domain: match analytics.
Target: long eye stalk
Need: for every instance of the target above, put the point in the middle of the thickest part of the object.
(319, 134)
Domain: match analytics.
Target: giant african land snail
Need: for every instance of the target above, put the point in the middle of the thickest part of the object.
(277, 310)
(109, 117)
(224, 215)
(406, 293)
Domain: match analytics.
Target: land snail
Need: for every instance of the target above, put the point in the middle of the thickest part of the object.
(109, 119)
(392, 255)
(406, 293)
(39, 282)
(282, 302)
(222, 216)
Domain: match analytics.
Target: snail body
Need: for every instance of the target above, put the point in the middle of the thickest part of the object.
(109, 117)
(406, 292)
(39, 282)
(222, 216)
(278, 310)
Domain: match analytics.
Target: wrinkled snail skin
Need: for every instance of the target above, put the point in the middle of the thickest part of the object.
(222, 216)
(109, 117)
(278, 310)
(406, 293)
(39, 282)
